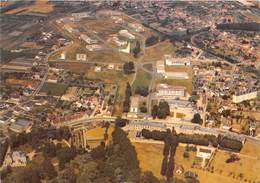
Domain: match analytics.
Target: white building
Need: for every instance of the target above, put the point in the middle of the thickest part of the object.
(134, 106)
(169, 60)
(242, 96)
(160, 67)
(81, 57)
(165, 90)
(63, 56)
(87, 39)
(205, 152)
(98, 69)
(126, 50)
(126, 34)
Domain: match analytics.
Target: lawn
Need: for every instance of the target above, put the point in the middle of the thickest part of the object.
(150, 157)
(142, 79)
(149, 67)
(54, 89)
(156, 52)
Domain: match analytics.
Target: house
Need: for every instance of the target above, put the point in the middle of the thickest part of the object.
(15, 159)
(126, 34)
(111, 66)
(136, 27)
(81, 57)
(165, 90)
(97, 69)
(190, 175)
(127, 49)
(21, 125)
(134, 106)
(179, 169)
(160, 67)
(205, 152)
(63, 56)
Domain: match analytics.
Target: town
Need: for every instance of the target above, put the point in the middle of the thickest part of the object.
(130, 91)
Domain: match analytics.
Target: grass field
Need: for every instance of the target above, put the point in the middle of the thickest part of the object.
(150, 157)
(142, 79)
(157, 51)
(54, 89)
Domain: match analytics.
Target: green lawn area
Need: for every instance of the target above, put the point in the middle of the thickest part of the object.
(148, 67)
(54, 89)
(142, 79)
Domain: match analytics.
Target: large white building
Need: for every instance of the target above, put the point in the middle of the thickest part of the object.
(170, 61)
(165, 90)
(87, 39)
(126, 34)
(242, 96)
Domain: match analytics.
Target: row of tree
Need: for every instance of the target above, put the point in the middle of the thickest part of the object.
(128, 94)
(197, 139)
(161, 111)
(129, 68)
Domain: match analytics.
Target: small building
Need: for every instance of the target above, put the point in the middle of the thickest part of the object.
(126, 34)
(134, 106)
(111, 66)
(205, 152)
(97, 69)
(21, 125)
(63, 56)
(81, 57)
(160, 67)
(179, 169)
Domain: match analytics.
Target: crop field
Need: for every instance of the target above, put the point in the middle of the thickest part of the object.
(40, 6)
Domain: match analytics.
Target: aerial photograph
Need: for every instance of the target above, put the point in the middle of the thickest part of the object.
(130, 91)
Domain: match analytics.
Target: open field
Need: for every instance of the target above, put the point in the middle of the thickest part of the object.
(73, 66)
(40, 6)
(150, 157)
(53, 89)
(143, 79)
(248, 165)
(157, 51)
(98, 132)
(22, 82)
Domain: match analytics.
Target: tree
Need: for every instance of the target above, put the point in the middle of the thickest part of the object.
(196, 119)
(163, 110)
(137, 49)
(154, 111)
(128, 94)
(120, 122)
(141, 90)
(47, 169)
(143, 109)
(49, 149)
(128, 68)
(148, 177)
(64, 155)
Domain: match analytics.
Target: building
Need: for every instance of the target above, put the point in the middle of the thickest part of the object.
(176, 61)
(21, 125)
(126, 34)
(165, 90)
(87, 39)
(15, 159)
(176, 75)
(179, 169)
(205, 152)
(243, 96)
(63, 56)
(81, 57)
(160, 67)
(97, 69)
(127, 49)
(138, 125)
(134, 106)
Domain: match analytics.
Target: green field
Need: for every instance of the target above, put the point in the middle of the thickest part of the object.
(143, 79)
(54, 89)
